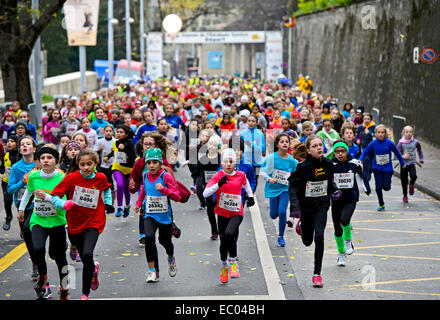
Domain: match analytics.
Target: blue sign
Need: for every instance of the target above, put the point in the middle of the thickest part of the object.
(215, 59)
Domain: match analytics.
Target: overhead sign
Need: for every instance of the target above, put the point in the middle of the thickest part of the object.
(154, 55)
(215, 59)
(274, 55)
(81, 17)
(216, 37)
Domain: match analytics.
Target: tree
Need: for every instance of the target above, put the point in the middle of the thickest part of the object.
(18, 34)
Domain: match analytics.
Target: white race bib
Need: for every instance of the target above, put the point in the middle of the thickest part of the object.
(157, 204)
(44, 208)
(316, 188)
(209, 175)
(120, 157)
(7, 172)
(231, 202)
(344, 180)
(382, 159)
(71, 128)
(281, 176)
(85, 197)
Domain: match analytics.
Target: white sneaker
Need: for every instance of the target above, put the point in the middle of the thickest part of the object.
(349, 247)
(341, 259)
(151, 276)
(172, 268)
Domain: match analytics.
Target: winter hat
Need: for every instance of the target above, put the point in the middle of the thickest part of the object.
(153, 154)
(21, 123)
(49, 150)
(229, 154)
(245, 113)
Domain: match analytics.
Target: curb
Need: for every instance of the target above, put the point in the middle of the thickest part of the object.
(423, 188)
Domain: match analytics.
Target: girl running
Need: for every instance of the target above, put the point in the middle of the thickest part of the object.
(123, 162)
(346, 168)
(227, 185)
(276, 171)
(9, 160)
(47, 221)
(159, 187)
(51, 130)
(313, 183)
(329, 136)
(348, 132)
(85, 211)
(91, 135)
(407, 146)
(104, 147)
(380, 151)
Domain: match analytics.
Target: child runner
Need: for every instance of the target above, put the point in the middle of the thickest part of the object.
(9, 160)
(348, 132)
(407, 146)
(380, 151)
(329, 136)
(313, 183)
(91, 135)
(103, 147)
(47, 221)
(85, 212)
(365, 134)
(227, 185)
(346, 168)
(64, 141)
(276, 171)
(124, 156)
(159, 187)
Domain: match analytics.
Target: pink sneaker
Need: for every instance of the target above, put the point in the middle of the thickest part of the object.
(317, 281)
(411, 190)
(405, 199)
(84, 297)
(95, 278)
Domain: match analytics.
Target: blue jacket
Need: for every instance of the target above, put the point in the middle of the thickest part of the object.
(143, 128)
(18, 170)
(174, 121)
(254, 146)
(380, 151)
(30, 128)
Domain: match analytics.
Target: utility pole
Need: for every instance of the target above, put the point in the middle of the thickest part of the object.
(110, 44)
(127, 35)
(141, 34)
(36, 55)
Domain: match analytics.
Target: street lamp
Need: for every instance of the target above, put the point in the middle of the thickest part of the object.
(111, 23)
(172, 24)
(128, 21)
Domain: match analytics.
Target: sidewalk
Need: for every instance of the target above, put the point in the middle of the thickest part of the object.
(428, 176)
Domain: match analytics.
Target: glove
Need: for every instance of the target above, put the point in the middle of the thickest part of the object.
(109, 208)
(250, 202)
(68, 204)
(223, 181)
(336, 195)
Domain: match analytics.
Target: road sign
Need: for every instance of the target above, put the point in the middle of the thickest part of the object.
(428, 55)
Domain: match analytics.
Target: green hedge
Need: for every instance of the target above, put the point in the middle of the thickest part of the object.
(309, 6)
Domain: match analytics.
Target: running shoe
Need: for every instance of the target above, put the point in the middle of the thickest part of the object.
(34, 273)
(341, 259)
(151, 276)
(405, 199)
(317, 281)
(73, 253)
(126, 212)
(411, 189)
(380, 208)
(7, 224)
(298, 227)
(141, 239)
(172, 268)
(202, 207)
(214, 236)
(224, 274)
(84, 297)
(349, 247)
(281, 242)
(40, 287)
(48, 293)
(193, 189)
(95, 277)
(290, 222)
(78, 257)
(64, 294)
(118, 213)
(235, 270)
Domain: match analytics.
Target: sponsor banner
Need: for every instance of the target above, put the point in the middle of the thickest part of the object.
(81, 17)
(216, 37)
(154, 55)
(274, 55)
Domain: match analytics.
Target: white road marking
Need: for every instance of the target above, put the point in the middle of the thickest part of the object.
(230, 297)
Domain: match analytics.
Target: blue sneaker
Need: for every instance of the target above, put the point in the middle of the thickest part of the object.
(118, 213)
(380, 208)
(126, 211)
(281, 242)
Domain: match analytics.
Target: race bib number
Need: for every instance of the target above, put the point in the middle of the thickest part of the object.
(120, 157)
(344, 180)
(382, 159)
(44, 208)
(157, 204)
(20, 193)
(281, 176)
(7, 172)
(85, 197)
(209, 175)
(231, 202)
(71, 128)
(316, 188)
(412, 154)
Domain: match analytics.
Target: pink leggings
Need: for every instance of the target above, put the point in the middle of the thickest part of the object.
(122, 187)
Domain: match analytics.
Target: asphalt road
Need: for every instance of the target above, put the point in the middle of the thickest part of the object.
(397, 256)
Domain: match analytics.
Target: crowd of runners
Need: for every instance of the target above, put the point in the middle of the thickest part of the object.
(95, 151)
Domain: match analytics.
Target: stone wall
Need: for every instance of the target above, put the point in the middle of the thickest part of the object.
(374, 67)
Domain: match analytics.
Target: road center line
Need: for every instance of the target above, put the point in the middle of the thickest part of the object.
(12, 256)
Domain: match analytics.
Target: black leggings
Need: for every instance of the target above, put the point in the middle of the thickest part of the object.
(85, 244)
(8, 200)
(228, 228)
(165, 232)
(341, 215)
(411, 169)
(27, 234)
(312, 228)
(257, 174)
(108, 174)
(57, 249)
(200, 184)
